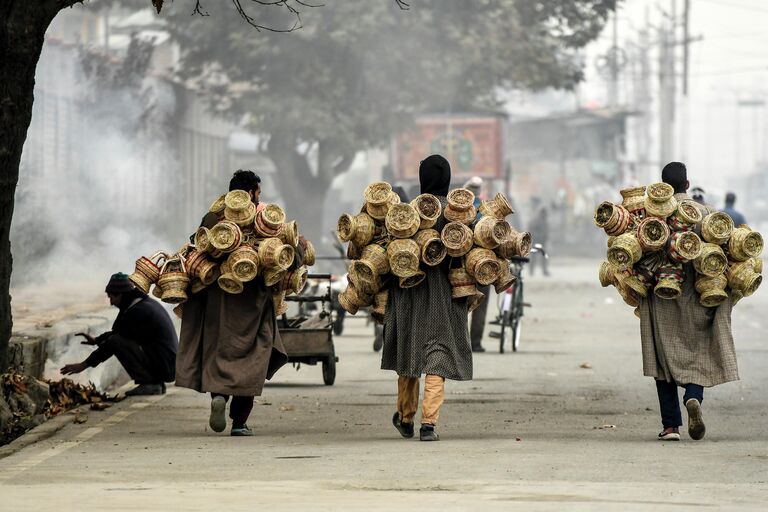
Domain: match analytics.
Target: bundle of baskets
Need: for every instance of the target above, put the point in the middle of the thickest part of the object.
(390, 241)
(248, 241)
(654, 239)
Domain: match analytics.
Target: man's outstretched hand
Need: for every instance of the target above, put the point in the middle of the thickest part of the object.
(73, 368)
(89, 340)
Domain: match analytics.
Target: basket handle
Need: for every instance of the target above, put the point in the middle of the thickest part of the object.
(159, 255)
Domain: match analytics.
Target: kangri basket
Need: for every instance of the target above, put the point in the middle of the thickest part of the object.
(711, 260)
(273, 276)
(273, 253)
(403, 255)
(686, 217)
(668, 281)
(174, 280)
(462, 284)
(364, 276)
(226, 236)
(684, 246)
(242, 218)
(289, 233)
(414, 280)
(218, 205)
(490, 232)
(460, 199)
(228, 282)
(457, 238)
(244, 263)
(431, 247)
(717, 228)
(497, 207)
(464, 216)
(625, 251)
(505, 279)
(653, 234)
(745, 244)
(203, 239)
(516, 244)
(483, 265)
(147, 271)
(429, 209)
(358, 229)
(633, 199)
(402, 220)
(377, 256)
(199, 266)
(742, 277)
(378, 197)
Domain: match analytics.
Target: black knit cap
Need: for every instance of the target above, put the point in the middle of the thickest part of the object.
(435, 175)
(675, 174)
(119, 283)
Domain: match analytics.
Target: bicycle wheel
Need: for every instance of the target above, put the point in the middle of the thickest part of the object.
(504, 316)
(517, 316)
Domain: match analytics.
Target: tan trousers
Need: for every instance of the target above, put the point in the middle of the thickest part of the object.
(408, 398)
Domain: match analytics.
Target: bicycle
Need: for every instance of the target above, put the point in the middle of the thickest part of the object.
(511, 304)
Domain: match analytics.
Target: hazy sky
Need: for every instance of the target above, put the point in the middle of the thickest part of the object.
(729, 64)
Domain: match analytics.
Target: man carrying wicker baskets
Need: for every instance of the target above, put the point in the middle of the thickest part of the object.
(425, 330)
(229, 341)
(683, 342)
(142, 338)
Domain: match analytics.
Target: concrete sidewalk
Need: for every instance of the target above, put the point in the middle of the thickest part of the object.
(534, 431)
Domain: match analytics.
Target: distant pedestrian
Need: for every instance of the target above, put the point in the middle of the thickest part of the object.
(698, 195)
(477, 326)
(684, 343)
(730, 202)
(142, 338)
(539, 228)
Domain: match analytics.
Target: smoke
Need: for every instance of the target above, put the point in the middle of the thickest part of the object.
(95, 184)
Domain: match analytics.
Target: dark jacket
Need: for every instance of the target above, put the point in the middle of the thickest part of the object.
(149, 324)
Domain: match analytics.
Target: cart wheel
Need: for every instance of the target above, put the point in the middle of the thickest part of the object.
(329, 371)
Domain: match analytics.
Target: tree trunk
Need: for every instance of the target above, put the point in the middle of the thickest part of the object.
(22, 29)
(303, 192)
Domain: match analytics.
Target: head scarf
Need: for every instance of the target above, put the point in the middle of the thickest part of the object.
(435, 175)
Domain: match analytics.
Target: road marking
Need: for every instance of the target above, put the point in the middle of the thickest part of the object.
(37, 459)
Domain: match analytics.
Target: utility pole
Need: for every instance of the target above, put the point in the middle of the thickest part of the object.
(613, 91)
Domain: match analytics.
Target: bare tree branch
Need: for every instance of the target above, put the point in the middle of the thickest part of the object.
(199, 9)
(402, 4)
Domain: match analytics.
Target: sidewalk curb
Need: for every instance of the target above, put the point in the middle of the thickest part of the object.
(39, 433)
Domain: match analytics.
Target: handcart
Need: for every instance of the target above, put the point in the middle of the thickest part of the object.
(311, 345)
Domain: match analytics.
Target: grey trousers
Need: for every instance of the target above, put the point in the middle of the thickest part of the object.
(477, 326)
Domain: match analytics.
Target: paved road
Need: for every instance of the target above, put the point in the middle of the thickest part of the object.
(530, 432)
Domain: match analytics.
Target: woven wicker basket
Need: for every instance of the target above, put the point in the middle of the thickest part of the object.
(609, 241)
(228, 282)
(457, 238)
(243, 217)
(717, 228)
(403, 255)
(218, 205)
(273, 276)
(428, 208)
(346, 302)
(147, 271)
(669, 279)
(713, 298)
(686, 217)
(272, 215)
(297, 280)
(757, 265)
(358, 297)
(464, 216)
(745, 244)
(264, 230)
(402, 221)
(633, 199)
(244, 262)
(711, 260)
(490, 232)
(462, 284)
(226, 236)
(628, 295)
(653, 234)
(364, 276)
(378, 197)
(377, 256)
(174, 280)
(273, 253)
(279, 303)
(705, 283)
(157, 291)
(742, 277)
(353, 251)
(516, 244)
(460, 199)
(359, 229)
(614, 219)
(607, 274)
(309, 253)
(483, 265)
(505, 279)
(236, 200)
(662, 210)
(414, 280)
(684, 246)
(289, 233)
(636, 285)
(431, 247)
(660, 192)
(625, 251)
(497, 207)
(200, 267)
(203, 239)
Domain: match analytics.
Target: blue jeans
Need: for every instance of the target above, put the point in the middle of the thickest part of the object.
(669, 403)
